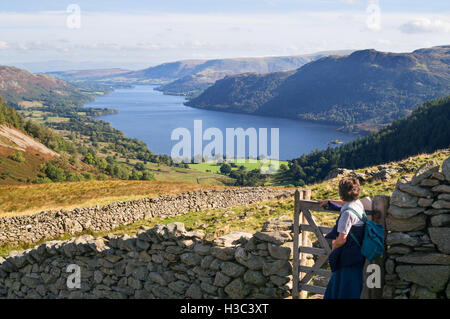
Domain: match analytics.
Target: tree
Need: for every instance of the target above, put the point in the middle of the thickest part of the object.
(225, 169)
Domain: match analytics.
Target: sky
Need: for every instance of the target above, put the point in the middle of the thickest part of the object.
(136, 34)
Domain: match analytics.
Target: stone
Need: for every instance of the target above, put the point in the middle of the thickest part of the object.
(425, 259)
(399, 250)
(447, 291)
(278, 267)
(404, 213)
(402, 239)
(98, 276)
(202, 249)
(418, 292)
(194, 292)
(432, 277)
(402, 199)
(251, 261)
(425, 202)
(438, 176)
(179, 286)
(175, 230)
(434, 212)
(255, 278)
(444, 197)
(390, 266)
(441, 204)
(134, 283)
(425, 171)
(414, 190)
(440, 220)
(208, 288)
(156, 277)
(388, 292)
(440, 236)
(191, 259)
(223, 253)
(281, 281)
(232, 239)
(414, 223)
(429, 182)
(441, 189)
(446, 169)
(279, 252)
(237, 289)
(221, 280)
(231, 269)
(276, 237)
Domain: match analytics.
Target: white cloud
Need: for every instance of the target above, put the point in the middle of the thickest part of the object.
(3, 45)
(152, 37)
(425, 25)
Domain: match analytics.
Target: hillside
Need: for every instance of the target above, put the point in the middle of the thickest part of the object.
(206, 74)
(424, 131)
(22, 88)
(364, 87)
(190, 77)
(87, 75)
(30, 153)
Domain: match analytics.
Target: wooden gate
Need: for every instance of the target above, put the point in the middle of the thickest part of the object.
(304, 223)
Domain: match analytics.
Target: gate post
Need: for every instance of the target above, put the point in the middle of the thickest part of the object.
(295, 262)
(380, 205)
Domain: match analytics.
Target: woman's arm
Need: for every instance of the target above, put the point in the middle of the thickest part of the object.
(337, 201)
(339, 241)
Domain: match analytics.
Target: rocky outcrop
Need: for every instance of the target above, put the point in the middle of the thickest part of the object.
(381, 172)
(418, 224)
(53, 224)
(159, 262)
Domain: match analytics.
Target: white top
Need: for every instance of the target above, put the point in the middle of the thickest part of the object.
(348, 218)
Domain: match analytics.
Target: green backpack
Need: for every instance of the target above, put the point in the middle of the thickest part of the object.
(372, 245)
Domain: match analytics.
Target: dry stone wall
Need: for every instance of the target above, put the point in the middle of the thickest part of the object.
(53, 224)
(418, 221)
(160, 262)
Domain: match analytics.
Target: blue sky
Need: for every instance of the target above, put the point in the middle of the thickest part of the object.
(136, 33)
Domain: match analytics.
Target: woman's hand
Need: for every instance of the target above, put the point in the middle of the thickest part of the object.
(324, 202)
(339, 241)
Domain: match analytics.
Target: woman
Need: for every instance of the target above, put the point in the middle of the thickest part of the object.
(346, 260)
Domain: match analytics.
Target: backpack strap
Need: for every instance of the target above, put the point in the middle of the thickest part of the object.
(363, 219)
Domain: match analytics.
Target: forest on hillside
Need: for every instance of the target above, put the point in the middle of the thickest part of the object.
(424, 131)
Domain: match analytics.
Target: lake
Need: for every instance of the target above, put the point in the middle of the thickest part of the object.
(150, 116)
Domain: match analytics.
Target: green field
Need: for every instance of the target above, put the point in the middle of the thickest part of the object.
(214, 167)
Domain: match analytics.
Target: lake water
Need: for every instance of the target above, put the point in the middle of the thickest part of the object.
(151, 116)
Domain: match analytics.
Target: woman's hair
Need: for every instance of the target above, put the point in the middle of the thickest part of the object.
(349, 189)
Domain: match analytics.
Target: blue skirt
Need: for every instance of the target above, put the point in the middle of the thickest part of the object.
(345, 283)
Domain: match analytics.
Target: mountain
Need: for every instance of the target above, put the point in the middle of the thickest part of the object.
(424, 131)
(203, 75)
(87, 75)
(366, 86)
(191, 77)
(22, 88)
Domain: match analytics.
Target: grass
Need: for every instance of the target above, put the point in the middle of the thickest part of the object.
(29, 199)
(214, 167)
(213, 222)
